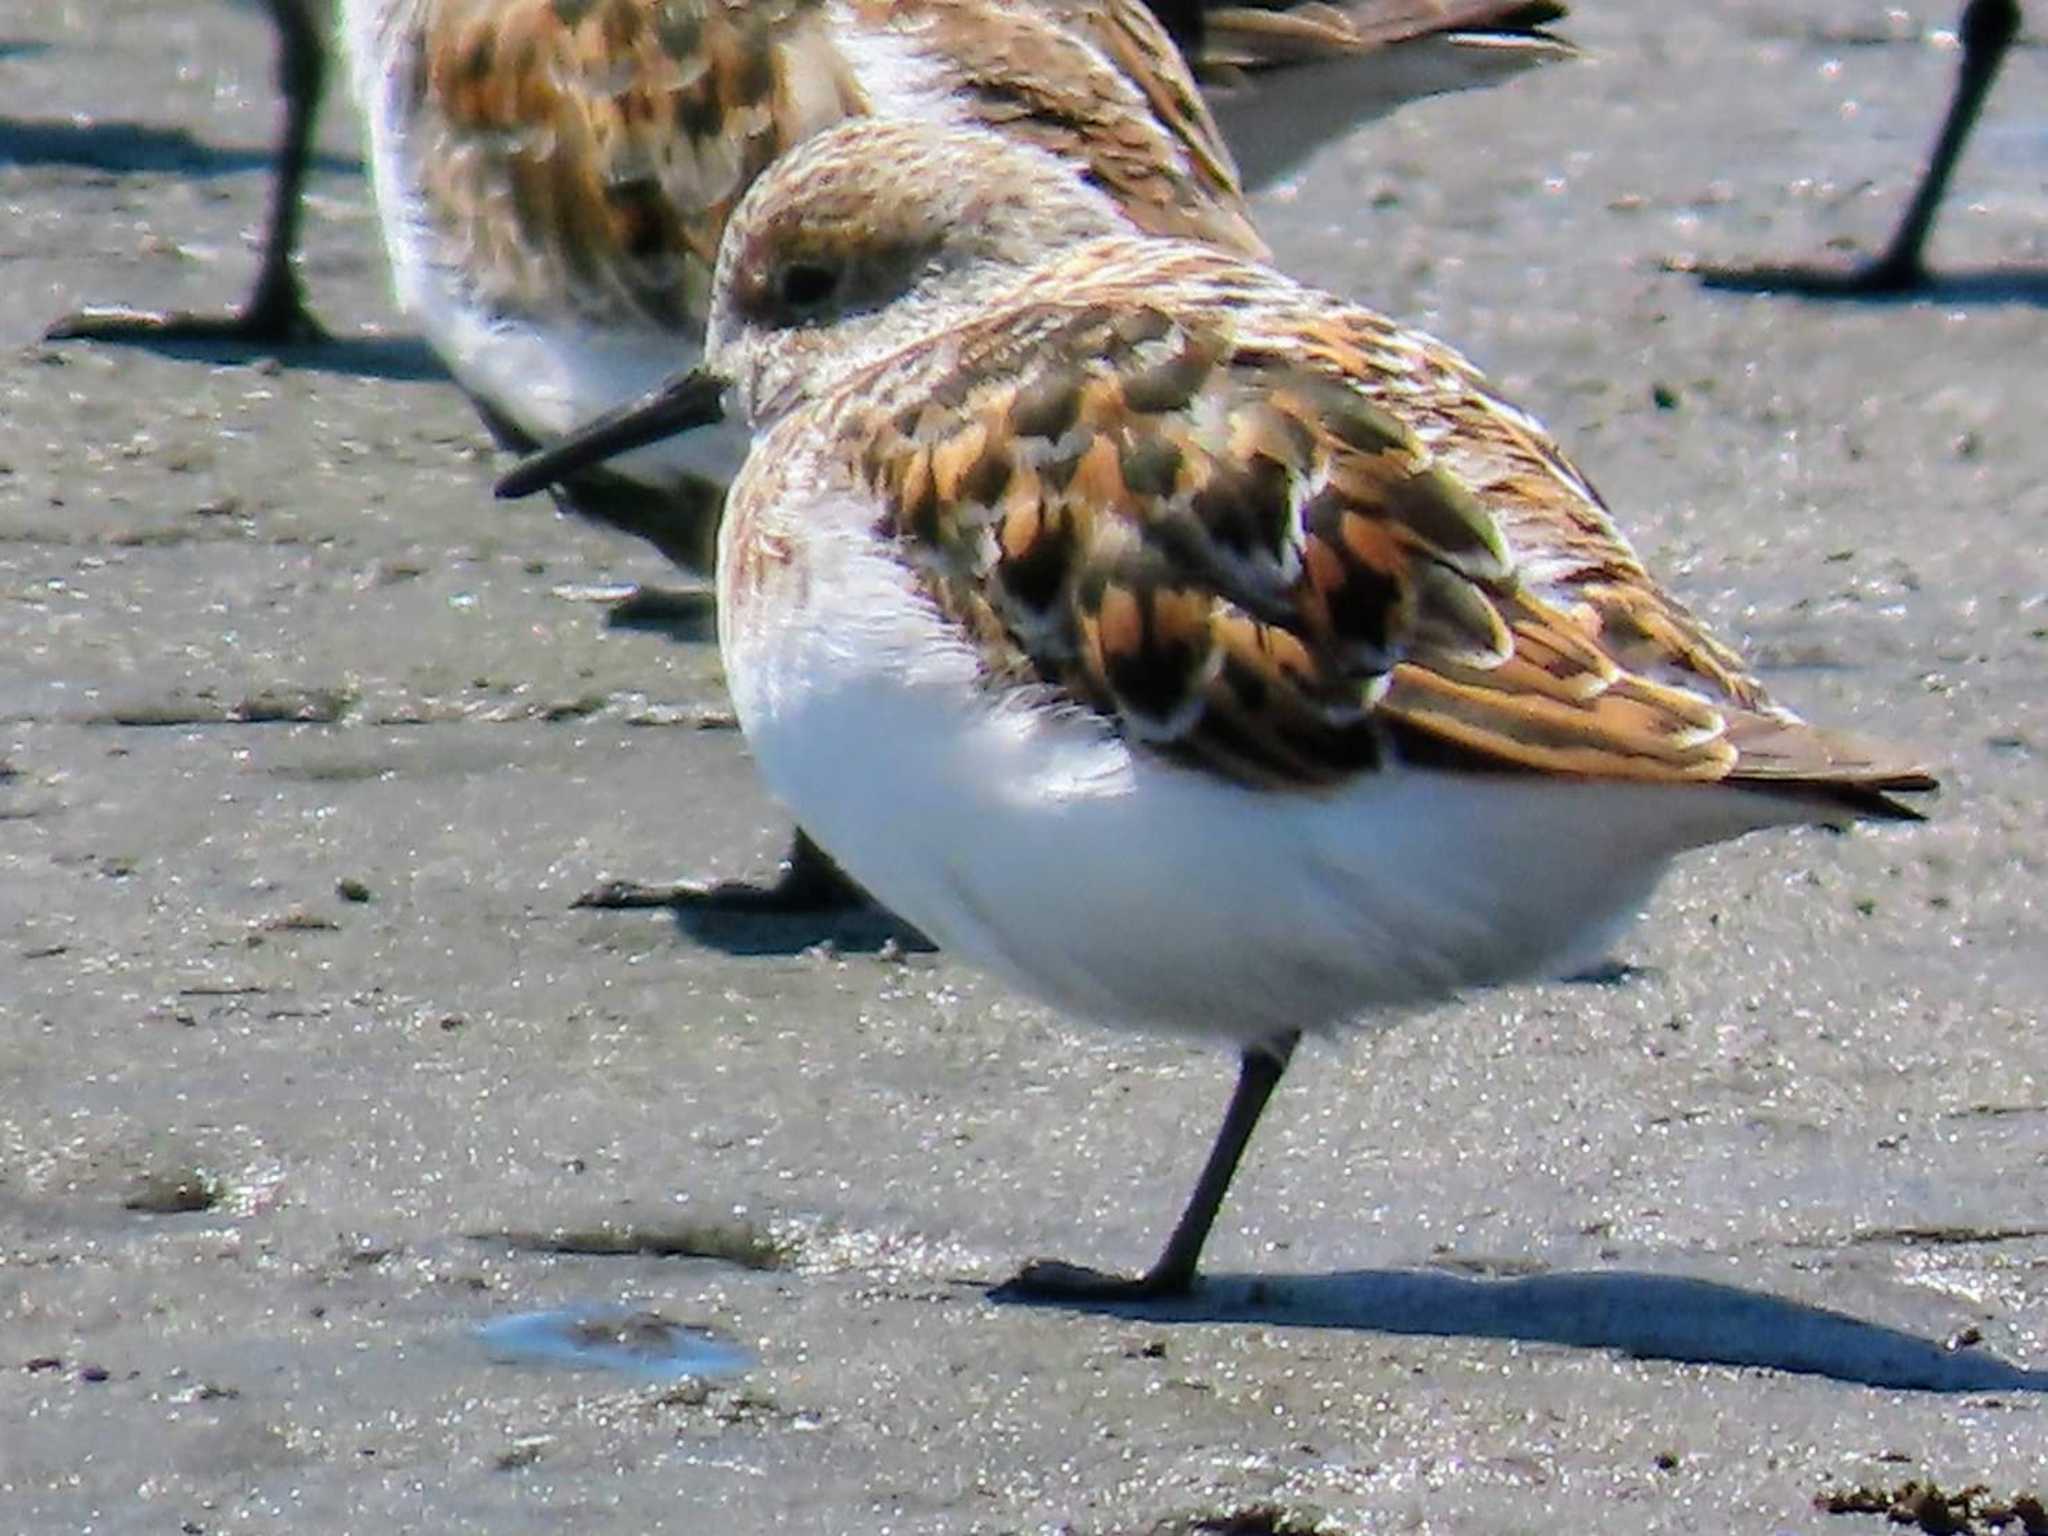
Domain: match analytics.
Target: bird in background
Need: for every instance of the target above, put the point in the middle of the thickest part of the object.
(553, 177)
(1376, 53)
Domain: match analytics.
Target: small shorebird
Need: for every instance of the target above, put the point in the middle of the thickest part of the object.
(553, 178)
(1195, 650)
(1987, 31)
(276, 313)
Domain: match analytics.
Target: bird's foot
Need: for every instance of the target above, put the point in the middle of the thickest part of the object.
(809, 883)
(1056, 1280)
(1886, 277)
(785, 898)
(285, 323)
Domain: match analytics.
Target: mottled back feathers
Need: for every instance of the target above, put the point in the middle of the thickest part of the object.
(1280, 539)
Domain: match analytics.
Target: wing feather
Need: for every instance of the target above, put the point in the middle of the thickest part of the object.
(586, 153)
(1249, 38)
(1283, 541)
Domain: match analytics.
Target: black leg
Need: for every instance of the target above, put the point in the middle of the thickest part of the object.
(1183, 22)
(278, 307)
(276, 314)
(1173, 1274)
(680, 520)
(809, 882)
(1988, 29)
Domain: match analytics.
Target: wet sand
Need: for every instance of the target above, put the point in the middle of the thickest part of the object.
(1763, 1217)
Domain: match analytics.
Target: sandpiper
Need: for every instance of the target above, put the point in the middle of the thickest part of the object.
(553, 178)
(1194, 650)
(1344, 63)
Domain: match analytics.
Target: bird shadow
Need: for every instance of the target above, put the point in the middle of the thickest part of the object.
(129, 148)
(867, 929)
(685, 614)
(1975, 286)
(748, 920)
(1646, 1316)
(394, 359)
(1613, 972)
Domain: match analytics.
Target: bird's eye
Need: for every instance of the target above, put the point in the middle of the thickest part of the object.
(806, 285)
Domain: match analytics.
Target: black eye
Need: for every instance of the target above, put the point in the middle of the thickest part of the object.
(806, 285)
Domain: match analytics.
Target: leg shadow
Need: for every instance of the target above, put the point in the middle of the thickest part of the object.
(1973, 286)
(1648, 1316)
(127, 148)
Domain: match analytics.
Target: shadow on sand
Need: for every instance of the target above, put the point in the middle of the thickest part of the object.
(127, 148)
(1973, 286)
(396, 359)
(862, 930)
(1652, 1317)
(686, 615)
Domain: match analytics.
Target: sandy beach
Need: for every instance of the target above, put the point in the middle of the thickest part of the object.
(310, 1069)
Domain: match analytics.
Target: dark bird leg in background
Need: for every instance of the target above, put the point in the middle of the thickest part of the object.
(276, 314)
(1988, 29)
(1183, 22)
(682, 523)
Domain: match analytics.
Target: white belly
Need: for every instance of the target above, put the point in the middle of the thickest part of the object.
(1116, 886)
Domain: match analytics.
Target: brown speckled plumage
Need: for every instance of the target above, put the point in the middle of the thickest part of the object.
(583, 157)
(1282, 538)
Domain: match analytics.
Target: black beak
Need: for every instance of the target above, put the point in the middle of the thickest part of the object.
(681, 404)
